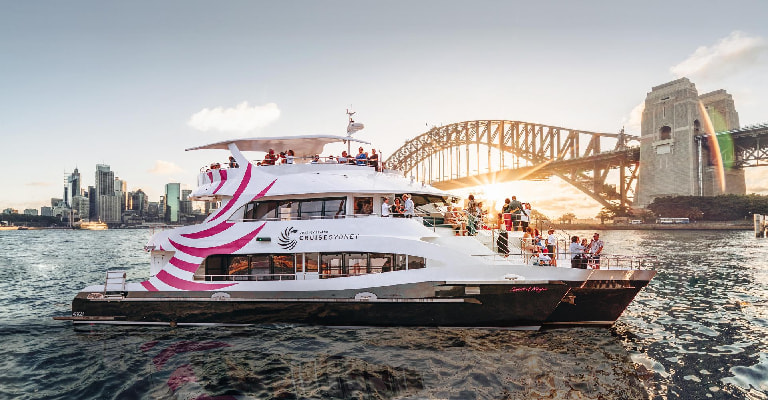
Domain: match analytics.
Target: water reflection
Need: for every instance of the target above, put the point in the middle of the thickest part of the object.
(335, 363)
(699, 330)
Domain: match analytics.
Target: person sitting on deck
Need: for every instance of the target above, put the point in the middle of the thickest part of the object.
(270, 158)
(343, 158)
(361, 157)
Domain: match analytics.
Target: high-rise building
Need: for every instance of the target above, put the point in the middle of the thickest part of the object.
(107, 201)
(46, 211)
(105, 180)
(121, 191)
(73, 184)
(172, 202)
(139, 202)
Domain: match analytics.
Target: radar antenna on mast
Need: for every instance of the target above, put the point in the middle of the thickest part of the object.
(352, 127)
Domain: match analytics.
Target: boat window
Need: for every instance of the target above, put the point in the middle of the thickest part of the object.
(283, 264)
(415, 262)
(310, 262)
(288, 210)
(238, 265)
(267, 267)
(357, 263)
(380, 263)
(259, 266)
(264, 210)
(332, 264)
(424, 199)
(214, 265)
(363, 205)
(400, 262)
(335, 207)
(292, 209)
(311, 209)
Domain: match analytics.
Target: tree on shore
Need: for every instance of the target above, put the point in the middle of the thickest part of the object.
(567, 218)
(727, 207)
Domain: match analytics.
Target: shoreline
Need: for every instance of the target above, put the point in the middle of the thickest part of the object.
(694, 226)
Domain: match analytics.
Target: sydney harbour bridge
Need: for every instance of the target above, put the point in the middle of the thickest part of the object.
(604, 166)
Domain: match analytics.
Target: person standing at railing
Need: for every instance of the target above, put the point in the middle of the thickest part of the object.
(385, 207)
(506, 214)
(552, 246)
(595, 248)
(409, 206)
(516, 208)
(577, 255)
(471, 223)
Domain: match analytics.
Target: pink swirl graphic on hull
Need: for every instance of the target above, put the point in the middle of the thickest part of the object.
(183, 265)
(223, 176)
(182, 284)
(227, 248)
(237, 194)
(210, 231)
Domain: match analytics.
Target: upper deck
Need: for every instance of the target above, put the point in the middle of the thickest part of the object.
(308, 173)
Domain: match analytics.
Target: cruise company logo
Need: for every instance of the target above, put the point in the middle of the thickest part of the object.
(290, 237)
(285, 240)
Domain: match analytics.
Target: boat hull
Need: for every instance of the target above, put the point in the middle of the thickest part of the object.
(492, 305)
(595, 304)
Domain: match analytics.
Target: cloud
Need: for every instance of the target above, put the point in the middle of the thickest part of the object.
(632, 121)
(164, 168)
(728, 56)
(38, 184)
(239, 119)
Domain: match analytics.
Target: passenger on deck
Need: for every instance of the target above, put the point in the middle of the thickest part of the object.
(506, 214)
(471, 206)
(343, 158)
(315, 159)
(408, 206)
(362, 157)
(233, 163)
(270, 158)
(595, 248)
(515, 206)
(528, 241)
(289, 157)
(397, 208)
(385, 207)
(373, 160)
(576, 251)
(525, 215)
(330, 160)
(552, 246)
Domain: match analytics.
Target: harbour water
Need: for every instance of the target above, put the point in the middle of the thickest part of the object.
(699, 330)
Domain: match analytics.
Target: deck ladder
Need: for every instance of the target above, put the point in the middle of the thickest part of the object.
(114, 287)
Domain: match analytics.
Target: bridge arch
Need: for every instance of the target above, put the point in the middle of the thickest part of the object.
(453, 156)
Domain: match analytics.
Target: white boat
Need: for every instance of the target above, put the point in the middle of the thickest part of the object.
(90, 225)
(303, 243)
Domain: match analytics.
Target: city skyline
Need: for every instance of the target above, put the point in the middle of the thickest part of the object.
(133, 85)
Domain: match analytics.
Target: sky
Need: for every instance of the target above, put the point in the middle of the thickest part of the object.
(132, 84)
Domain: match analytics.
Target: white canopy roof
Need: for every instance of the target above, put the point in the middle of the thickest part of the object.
(301, 145)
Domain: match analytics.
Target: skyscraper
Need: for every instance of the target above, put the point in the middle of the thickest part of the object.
(172, 202)
(73, 183)
(107, 203)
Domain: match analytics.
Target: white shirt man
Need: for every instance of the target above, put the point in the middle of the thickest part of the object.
(409, 207)
(385, 207)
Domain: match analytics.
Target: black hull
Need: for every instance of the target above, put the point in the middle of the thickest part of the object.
(501, 305)
(594, 305)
